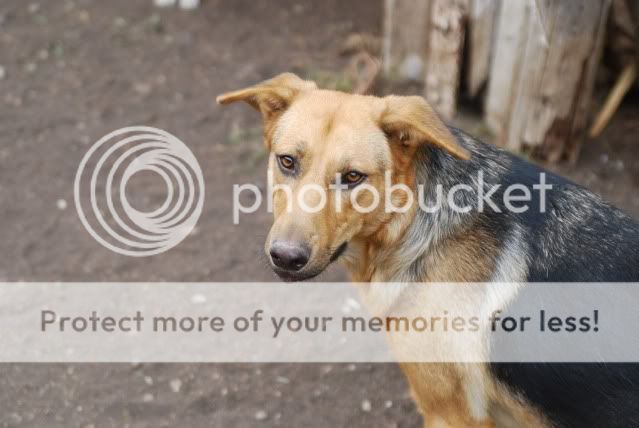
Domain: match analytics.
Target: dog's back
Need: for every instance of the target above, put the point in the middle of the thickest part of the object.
(572, 235)
(580, 238)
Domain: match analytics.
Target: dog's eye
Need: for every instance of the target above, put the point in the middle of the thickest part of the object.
(353, 178)
(286, 162)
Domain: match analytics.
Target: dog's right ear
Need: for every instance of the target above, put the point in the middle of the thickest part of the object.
(271, 97)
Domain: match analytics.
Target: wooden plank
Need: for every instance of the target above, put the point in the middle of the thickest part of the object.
(503, 83)
(559, 108)
(622, 86)
(446, 43)
(534, 65)
(424, 39)
(482, 23)
(550, 49)
(405, 42)
(585, 102)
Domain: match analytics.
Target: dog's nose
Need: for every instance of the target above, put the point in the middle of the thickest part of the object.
(289, 255)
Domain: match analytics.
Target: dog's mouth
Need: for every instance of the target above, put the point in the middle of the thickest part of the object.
(287, 276)
(340, 250)
(303, 275)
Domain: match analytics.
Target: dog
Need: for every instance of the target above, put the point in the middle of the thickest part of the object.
(314, 135)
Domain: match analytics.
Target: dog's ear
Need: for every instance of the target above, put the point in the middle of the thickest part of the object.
(271, 97)
(412, 121)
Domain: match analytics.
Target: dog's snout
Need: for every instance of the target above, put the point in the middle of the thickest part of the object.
(289, 255)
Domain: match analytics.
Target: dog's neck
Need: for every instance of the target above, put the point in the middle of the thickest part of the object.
(370, 259)
(405, 246)
(397, 250)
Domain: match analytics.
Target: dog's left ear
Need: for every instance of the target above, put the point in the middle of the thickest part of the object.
(412, 121)
(270, 97)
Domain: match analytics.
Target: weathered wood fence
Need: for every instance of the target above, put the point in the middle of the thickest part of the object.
(532, 61)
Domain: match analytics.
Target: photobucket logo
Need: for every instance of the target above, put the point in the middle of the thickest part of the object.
(111, 162)
(474, 194)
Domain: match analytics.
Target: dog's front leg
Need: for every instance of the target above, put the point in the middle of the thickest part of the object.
(444, 422)
(443, 396)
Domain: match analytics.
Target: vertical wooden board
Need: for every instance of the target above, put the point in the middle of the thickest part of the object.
(567, 77)
(512, 33)
(405, 44)
(571, 43)
(481, 25)
(584, 102)
(550, 54)
(446, 43)
(542, 17)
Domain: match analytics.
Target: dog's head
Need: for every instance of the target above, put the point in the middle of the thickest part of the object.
(329, 154)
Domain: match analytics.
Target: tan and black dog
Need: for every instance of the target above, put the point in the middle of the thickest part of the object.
(315, 135)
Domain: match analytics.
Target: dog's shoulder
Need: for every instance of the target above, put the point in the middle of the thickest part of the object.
(568, 233)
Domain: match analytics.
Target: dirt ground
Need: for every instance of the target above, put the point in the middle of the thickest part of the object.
(72, 71)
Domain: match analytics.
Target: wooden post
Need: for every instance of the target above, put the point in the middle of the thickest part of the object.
(503, 87)
(446, 45)
(482, 22)
(541, 79)
(425, 39)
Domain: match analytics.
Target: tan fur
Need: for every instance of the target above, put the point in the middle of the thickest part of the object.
(331, 132)
(468, 257)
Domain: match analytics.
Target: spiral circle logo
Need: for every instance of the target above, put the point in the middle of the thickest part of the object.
(111, 162)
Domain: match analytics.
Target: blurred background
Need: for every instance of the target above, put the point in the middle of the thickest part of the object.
(532, 76)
